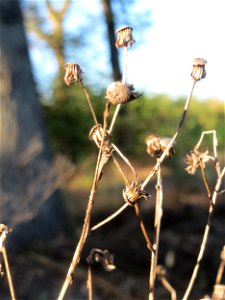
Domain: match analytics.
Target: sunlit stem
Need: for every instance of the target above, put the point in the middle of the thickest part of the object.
(116, 112)
(205, 236)
(157, 226)
(166, 151)
(8, 273)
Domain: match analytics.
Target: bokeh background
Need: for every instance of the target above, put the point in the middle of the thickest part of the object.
(48, 161)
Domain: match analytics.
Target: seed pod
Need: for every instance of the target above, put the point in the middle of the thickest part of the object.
(120, 93)
(73, 74)
(124, 37)
(198, 71)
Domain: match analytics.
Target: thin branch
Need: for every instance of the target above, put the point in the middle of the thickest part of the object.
(142, 226)
(157, 226)
(169, 288)
(205, 180)
(90, 105)
(85, 230)
(111, 217)
(205, 236)
(89, 283)
(215, 145)
(116, 112)
(8, 273)
(165, 153)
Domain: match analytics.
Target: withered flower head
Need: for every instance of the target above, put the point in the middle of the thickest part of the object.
(194, 159)
(120, 93)
(103, 257)
(133, 193)
(124, 37)
(3, 234)
(198, 71)
(73, 74)
(157, 145)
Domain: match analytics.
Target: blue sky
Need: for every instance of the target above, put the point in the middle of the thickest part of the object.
(161, 62)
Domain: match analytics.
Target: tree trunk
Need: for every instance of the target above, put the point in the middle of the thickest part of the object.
(109, 19)
(29, 203)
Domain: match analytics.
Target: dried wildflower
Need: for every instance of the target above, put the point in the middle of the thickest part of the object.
(198, 71)
(3, 233)
(120, 93)
(101, 256)
(73, 74)
(156, 146)
(194, 159)
(218, 292)
(133, 193)
(124, 37)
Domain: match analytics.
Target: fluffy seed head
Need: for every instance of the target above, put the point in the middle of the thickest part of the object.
(156, 146)
(120, 93)
(194, 159)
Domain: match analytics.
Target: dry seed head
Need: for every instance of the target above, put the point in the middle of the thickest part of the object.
(120, 93)
(73, 74)
(3, 234)
(198, 71)
(124, 37)
(133, 193)
(156, 146)
(101, 256)
(194, 159)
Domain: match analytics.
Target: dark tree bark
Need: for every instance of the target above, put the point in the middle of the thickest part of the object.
(30, 202)
(109, 19)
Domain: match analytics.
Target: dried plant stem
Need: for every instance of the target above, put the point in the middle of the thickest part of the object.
(169, 288)
(220, 272)
(111, 217)
(215, 144)
(8, 273)
(90, 105)
(205, 181)
(116, 112)
(157, 226)
(142, 226)
(89, 283)
(165, 153)
(205, 236)
(85, 229)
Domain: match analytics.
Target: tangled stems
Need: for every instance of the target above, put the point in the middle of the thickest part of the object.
(85, 230)
(212, 204)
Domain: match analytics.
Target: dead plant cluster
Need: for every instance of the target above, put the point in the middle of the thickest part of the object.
(161, 148)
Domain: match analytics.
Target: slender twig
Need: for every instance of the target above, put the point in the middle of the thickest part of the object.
(205, 236)
(165, 153)
(215, 144)
(142, 226)
(220, 272)
(90, 105)
(111, 217)
(8, 273)
(85, 229)
(168, 287)
(120, 169)
(89, 283)
(116, 112)
(205, 180)
(157, 226)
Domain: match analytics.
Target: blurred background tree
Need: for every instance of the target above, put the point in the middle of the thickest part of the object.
(28, 180)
